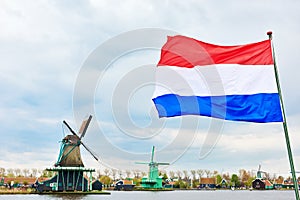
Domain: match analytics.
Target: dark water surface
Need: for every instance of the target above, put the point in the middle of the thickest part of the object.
(169, 195)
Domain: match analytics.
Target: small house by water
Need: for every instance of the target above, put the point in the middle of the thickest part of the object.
(207, 183)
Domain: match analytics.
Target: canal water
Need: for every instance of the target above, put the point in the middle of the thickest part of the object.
(172, 195)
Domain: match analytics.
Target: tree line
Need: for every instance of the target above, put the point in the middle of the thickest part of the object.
(182, 178)
(18, 172)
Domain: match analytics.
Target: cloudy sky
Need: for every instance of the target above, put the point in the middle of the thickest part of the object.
(63, 60)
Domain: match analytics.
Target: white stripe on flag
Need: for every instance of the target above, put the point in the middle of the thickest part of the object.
(216, 80)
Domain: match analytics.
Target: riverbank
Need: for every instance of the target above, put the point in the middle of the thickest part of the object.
(29, 191)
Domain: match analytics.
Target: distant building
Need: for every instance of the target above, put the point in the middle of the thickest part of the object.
(223, 184)
(262, 184)
(126, 185)
(289, 184)
(170, 184)
(97, 185)
(207, 183)
(268, 185)
(258, 184)
(278, 183)
(21, 181)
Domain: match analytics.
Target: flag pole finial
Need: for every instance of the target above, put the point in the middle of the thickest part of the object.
(269, 33)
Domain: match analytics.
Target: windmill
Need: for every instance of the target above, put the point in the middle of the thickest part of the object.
(69, 169)
(69, 155)
(259, 173)
(153, 181)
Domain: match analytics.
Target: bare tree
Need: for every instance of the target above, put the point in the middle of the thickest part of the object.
(98, 173)
(2, 171)
(171, 174)
(200, 173)
(106, 172)
(120, 174)
(226, 176)
(215, 173)
(17, 171)
(10, 172)
(274, 177)
(186, 175)
(179, 174)
(25, 172)
(207, 172)
(193, 172)
(136, 173)
(267, 175)
(34, 172)
(40, 171)
(244, 175)
(128, 173)
(114, 174)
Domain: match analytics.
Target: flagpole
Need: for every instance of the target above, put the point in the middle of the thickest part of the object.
(287, 139)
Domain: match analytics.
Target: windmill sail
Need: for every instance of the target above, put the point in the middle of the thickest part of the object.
(84, 126)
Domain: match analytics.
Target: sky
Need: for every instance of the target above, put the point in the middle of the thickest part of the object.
(64, 60)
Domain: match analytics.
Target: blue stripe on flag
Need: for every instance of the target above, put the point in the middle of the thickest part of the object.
(261, 108)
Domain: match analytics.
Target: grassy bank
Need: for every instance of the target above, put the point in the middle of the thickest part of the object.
(29, 191)
(152, 189)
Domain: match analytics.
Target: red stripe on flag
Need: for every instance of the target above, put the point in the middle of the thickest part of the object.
(187, 52)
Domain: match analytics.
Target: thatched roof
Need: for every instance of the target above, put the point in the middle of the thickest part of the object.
(208, 181)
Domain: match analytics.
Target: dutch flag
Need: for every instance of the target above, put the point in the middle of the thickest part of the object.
(227, 82)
